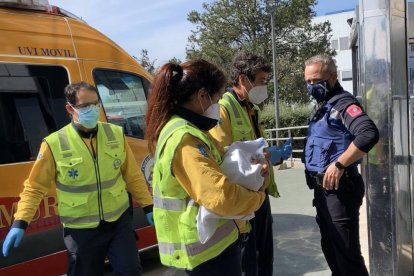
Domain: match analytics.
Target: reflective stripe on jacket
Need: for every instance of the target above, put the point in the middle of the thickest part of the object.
(89, 189)
(242, 129)
(175, 212)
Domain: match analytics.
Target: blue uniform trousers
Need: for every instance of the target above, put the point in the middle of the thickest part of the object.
(87, 248)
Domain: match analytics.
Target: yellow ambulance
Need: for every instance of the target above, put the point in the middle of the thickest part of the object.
(42, 49)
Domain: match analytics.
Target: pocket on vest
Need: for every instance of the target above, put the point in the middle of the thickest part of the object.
(243, 133)
(319, 152)
(118, 199)
(116, 158)
(188, 225)
(71, 169)
(74, 205)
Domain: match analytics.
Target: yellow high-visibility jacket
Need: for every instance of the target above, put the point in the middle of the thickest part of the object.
(186, 175)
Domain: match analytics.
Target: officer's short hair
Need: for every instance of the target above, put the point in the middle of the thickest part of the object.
(73, 88)
(326, 60)
(248, 64)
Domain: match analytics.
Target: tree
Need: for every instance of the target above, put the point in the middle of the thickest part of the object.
(145, 61)
(226, 26)
(175, 60)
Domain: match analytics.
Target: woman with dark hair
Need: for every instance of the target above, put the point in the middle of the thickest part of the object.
(182, 108)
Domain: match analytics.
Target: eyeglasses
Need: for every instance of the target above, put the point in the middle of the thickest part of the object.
(84, 105)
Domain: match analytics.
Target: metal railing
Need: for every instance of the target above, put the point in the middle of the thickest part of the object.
(274, 137)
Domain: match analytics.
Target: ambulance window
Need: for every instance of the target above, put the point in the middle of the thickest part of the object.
(32, 105)
(123, 98)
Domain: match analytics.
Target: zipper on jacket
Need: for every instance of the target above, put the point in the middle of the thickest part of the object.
(97, 175)
(98, 180)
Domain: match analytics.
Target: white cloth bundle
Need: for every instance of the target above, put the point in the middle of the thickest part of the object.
(237, 166)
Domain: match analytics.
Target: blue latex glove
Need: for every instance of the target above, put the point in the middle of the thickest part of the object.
(15, 236)
(287, 149)
(150, 218)
(275, 155)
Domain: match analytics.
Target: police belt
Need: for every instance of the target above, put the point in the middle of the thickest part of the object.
(315, 179)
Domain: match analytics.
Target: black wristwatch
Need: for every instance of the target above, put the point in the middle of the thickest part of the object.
(339, 165)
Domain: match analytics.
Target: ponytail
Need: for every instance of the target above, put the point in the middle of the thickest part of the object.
(162, 101)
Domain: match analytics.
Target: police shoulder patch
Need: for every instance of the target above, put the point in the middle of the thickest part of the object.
(354, 110)
(202, 149)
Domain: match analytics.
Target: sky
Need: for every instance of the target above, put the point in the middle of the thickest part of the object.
(159, 26)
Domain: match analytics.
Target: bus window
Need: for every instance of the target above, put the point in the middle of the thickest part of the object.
(31, 106)
(123, 98)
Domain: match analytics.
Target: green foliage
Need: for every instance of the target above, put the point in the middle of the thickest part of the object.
(149, 64)
(144, 60)
(226, 26)
(289, 116)
(175, 60)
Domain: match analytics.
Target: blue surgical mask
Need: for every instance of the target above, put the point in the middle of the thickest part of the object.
(318, 90)
(88, 116)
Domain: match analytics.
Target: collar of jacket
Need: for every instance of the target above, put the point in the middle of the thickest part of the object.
(85, 134)
(200, 121)
(241, 102)
(319, 107)
(334, 91)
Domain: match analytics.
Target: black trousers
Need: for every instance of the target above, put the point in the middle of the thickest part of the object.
(228, 263)
(87, 248)
(257, 247)
(338, 219)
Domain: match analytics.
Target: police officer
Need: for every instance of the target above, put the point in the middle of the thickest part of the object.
(93, 169)
(182, 108)
(339, 135)
(239, 121)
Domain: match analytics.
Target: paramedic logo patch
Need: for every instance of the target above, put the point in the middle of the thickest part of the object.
(202, 150)
(146, 168)
(73, 173)
(354, 110)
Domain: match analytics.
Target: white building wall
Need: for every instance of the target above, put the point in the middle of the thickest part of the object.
(340, 42)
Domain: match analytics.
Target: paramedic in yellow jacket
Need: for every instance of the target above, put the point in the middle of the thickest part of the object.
(93, 169)
(187, 174)
(239, 120)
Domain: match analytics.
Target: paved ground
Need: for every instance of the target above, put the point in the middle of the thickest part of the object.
(296, 234)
